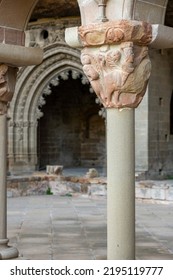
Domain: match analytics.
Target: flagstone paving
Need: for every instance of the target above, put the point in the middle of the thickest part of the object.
(51, 227)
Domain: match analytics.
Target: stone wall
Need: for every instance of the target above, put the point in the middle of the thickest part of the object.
(141, 136)
(71, 133)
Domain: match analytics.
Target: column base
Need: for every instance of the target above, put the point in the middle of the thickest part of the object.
(7, 252)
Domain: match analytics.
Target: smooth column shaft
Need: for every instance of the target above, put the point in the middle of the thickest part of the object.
(121, 184)
(3, 172)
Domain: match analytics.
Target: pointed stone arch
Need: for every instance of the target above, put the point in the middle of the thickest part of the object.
(31, 90)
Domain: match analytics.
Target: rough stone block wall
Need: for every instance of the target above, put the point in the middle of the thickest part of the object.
(93, 144)
(71, 133)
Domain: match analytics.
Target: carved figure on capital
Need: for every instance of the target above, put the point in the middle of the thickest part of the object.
(118, 74)
(7, 85)
(115, 60)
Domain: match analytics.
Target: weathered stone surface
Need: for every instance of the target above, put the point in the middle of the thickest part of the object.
(155, 190)
(58, 185)
(27, 186)
(39, 183)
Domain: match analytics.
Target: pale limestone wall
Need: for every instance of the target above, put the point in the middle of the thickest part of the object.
(141, 136)
(156, 146)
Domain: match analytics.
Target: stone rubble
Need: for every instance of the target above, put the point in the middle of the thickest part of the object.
(39, 183)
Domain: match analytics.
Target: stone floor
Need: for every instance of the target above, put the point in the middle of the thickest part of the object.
(70, 228)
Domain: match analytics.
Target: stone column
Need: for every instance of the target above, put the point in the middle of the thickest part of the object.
(14, 56)
(7, 84)
(115, 60)
(121, 184)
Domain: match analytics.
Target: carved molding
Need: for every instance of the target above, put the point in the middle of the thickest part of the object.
(55, 32)
(20, 126)
(115, 32)
(34, 77)
(33, 85)
(64, 75)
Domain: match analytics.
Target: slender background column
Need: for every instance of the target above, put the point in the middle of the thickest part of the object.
(128, 8)
(6, 252)
(3, 172)
(15, 56)
(121, 184)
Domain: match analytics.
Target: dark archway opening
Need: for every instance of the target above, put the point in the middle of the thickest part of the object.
(71, 133)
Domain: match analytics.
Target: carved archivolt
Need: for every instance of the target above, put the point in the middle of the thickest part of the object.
(34, 82)
(55, 82)
(33, 85)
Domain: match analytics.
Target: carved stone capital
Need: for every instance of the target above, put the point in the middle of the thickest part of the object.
(7, 85)
(118, 75)
(115, 60)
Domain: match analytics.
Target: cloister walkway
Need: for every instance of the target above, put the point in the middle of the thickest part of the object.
(51, 227)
